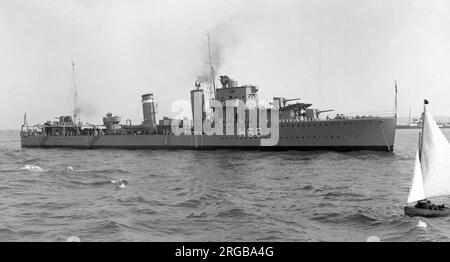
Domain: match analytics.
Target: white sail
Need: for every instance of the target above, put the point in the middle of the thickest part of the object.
(435, 160)
(416, 190)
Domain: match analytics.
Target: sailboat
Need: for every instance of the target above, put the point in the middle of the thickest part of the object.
(431, 176)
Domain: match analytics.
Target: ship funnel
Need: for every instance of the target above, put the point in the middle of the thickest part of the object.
(198, 110)
(148, 109)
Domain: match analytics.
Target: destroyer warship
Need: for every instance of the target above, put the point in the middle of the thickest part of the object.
(286, 124)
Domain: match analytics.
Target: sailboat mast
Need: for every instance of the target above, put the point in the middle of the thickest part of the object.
(76, 108)
(425, 102)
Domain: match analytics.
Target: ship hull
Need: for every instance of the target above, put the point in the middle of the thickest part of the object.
(420, 212)
(339, 135)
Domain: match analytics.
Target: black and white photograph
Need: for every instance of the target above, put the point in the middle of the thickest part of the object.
(247, 122)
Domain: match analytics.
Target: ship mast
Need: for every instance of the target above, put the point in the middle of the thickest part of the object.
(76, 107)
(213, 75)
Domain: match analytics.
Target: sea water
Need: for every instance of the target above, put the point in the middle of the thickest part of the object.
(218, 195)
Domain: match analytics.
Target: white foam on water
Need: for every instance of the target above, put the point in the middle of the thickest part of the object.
(33, 168)
(69, 168)
(121, 182)
(421, 224)
(73, 239)
(373, 239)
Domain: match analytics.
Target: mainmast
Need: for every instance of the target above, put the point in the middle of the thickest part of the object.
(76, 109)
(213, 75)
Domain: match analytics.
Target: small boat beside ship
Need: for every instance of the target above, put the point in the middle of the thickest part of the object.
(431, 177)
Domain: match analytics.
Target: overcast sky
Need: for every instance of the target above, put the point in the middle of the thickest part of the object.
(335, 54)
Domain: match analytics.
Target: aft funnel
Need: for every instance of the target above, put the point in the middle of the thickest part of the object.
(148, 109)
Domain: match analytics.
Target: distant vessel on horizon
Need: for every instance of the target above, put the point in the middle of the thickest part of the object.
(416, 123)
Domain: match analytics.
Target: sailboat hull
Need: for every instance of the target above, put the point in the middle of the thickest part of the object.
(420, 212)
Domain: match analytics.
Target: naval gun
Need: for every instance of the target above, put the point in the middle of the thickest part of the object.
(283, 102)
(323, 111)
(313, 114)
(292, 99)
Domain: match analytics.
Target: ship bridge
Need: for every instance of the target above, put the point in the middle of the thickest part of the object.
(231, 91)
